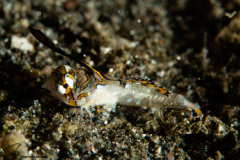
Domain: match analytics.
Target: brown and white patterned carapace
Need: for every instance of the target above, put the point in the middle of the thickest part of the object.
(86, 87)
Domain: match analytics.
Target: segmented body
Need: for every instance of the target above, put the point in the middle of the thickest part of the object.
(88, 89)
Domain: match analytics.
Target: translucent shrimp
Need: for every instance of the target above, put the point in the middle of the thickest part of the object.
(87, 87)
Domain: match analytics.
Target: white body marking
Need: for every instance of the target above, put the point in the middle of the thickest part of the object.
(103, 95)
(85, 90)
(86, 87)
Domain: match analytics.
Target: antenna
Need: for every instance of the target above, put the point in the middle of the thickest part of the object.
(48, 43)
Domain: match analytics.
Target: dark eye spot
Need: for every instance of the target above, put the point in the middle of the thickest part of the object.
(65, 85)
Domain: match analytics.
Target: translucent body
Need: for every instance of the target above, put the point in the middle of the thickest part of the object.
(82, 88)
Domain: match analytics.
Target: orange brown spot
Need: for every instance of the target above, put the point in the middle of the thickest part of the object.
(143, 82)
(70, 77)
(151, 85)
(84, 85)
(62, 69)
(163, 91)
(71, 72)
(82, 95)
(98, 111)
(69, 95)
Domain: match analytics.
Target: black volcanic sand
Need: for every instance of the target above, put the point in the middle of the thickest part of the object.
(190, 47)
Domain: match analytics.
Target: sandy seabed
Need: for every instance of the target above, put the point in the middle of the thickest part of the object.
(190, 47)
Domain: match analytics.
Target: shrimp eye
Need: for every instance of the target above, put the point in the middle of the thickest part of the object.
(65, 85)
